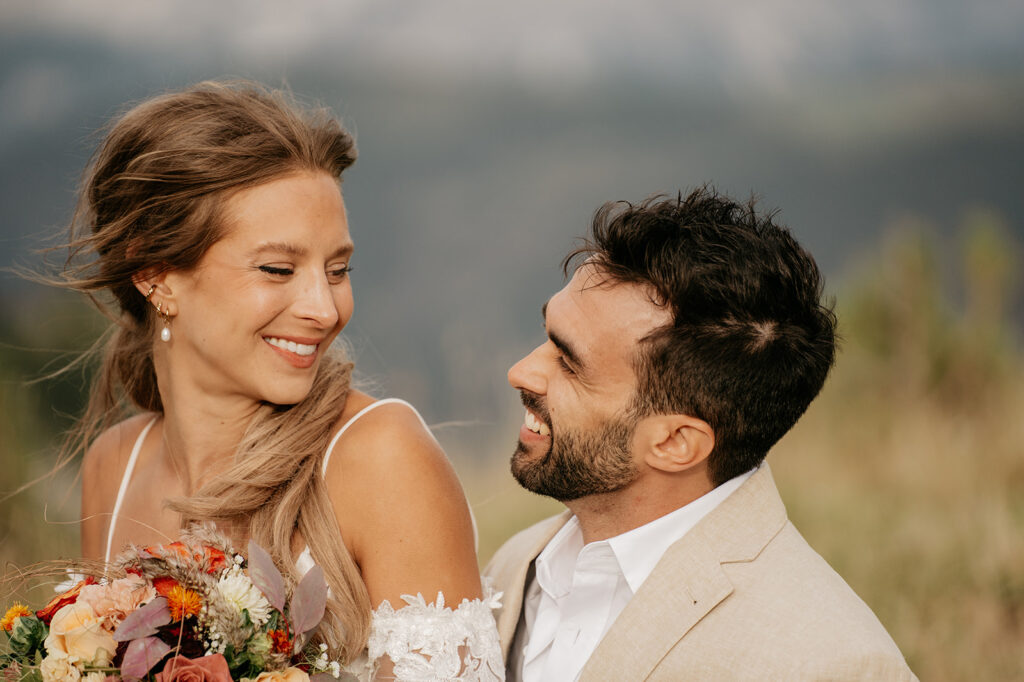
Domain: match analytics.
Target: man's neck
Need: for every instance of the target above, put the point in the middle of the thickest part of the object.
(606, 515)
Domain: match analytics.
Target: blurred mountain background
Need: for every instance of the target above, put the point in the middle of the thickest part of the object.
(890, 136)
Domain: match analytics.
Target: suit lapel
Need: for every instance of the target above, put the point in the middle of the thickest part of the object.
(688, 582)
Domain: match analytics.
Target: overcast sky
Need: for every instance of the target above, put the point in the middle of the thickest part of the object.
(757, 43)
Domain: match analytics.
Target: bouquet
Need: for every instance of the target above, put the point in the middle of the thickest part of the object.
(189, 611)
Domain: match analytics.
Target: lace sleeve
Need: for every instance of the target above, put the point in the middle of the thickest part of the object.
(434, 643)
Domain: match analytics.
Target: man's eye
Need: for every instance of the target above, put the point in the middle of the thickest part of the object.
(276, 270)
(565, 365)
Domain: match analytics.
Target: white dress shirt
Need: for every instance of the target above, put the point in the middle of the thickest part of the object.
(578, 591)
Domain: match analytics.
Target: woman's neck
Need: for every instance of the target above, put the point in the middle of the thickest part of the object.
(201, 430)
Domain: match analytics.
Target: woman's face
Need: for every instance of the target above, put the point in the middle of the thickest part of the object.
(255, 317)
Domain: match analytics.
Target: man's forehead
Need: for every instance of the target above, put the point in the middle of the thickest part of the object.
(611, 307)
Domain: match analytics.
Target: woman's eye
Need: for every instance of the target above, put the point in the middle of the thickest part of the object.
(339, 271)
(276, 270)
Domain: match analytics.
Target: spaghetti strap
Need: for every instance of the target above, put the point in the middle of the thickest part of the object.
(304, 562)
(124, 482)
(360, 413)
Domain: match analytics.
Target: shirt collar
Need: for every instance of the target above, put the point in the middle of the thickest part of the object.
(639, 550)
(556, 563)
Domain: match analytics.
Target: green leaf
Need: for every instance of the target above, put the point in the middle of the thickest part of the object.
(27, 636)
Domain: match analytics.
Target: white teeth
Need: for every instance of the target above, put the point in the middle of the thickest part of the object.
(536, 425)
(284, 344)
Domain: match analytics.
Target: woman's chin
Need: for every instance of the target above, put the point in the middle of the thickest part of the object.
(287, 393)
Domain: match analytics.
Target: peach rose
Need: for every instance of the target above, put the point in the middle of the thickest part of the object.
(212, 668)
(76, 632)
(59, 668)
(114, 601)
(289, 675)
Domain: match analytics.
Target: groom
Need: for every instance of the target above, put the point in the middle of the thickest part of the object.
(689, 339)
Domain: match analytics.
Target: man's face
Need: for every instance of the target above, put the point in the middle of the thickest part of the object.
(577, 387)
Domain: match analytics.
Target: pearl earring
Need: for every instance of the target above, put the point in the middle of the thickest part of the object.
(165, 333)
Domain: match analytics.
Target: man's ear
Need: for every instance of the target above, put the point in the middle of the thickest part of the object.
(674, 442)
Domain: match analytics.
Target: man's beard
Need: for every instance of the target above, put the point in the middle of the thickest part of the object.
(577, 463)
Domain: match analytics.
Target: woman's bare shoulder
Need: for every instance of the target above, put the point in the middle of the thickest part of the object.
(102, 470)
(390, 434)
(107, 457)
(401, 508)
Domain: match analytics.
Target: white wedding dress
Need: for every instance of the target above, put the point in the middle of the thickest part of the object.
(425, 641)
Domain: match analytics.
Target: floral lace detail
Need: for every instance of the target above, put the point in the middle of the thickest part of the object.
(433, 643)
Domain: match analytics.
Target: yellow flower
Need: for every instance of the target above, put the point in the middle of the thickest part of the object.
(78, 633)
(13, 614)
(289, 675)
(183, 603)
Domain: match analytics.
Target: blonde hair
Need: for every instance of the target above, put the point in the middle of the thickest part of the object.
(152, 198)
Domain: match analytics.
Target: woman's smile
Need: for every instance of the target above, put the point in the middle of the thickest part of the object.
(301, 354)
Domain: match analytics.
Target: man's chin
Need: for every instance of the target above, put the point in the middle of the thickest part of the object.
(529, 471)
(525, 466)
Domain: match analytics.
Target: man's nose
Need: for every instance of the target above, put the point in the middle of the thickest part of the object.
(527, 374)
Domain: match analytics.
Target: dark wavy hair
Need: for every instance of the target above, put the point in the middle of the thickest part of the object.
(751, 340)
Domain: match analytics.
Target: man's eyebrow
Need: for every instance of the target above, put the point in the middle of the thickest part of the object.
(564, 347)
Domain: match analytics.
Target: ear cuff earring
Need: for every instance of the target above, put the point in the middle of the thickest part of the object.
(165, 333)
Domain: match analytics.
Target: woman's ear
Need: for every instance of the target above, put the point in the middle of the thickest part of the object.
(153, 285)
(675, 442)
(147, 281)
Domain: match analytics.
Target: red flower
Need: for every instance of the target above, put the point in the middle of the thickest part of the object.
(281, 642)
(164, 584)
(45, 614)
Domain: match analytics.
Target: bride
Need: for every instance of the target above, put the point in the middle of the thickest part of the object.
(212, 221)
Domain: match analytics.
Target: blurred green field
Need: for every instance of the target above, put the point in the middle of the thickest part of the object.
(907, 473)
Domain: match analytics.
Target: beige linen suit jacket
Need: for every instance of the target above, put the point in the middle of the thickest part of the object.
(742, 596)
